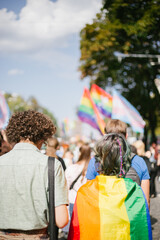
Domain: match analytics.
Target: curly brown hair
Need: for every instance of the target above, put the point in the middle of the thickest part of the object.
(31, 125)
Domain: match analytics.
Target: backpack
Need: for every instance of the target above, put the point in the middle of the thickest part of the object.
(132, 174)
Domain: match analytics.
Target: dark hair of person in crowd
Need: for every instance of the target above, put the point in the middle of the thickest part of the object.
(133, 149)
(116, 126)
(52, 146)
(4, 145)
(1, 140)
(29, 125)
(85, 154)
(52, 143)
(112, 155)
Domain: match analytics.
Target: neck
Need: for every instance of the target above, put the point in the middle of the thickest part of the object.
(38, 144)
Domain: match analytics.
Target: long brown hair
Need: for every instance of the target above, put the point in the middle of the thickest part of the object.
(85, 154)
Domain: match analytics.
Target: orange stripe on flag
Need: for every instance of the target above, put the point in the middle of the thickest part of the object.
(88, 199)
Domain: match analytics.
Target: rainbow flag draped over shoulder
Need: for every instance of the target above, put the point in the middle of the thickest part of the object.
(126, 112)
(102, 99)
(89, 113)
(110, 208)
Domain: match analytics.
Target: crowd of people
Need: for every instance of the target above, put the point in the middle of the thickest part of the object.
(102, 188)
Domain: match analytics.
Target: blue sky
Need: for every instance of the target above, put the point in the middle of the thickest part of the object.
(39, 51)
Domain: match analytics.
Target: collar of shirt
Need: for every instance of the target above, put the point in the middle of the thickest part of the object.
(29, 146)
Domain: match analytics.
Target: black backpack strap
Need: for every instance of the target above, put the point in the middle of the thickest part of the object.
(51, 186)
(72, 185)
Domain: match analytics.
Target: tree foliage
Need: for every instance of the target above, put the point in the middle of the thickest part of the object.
(17, 104)
(128, 27)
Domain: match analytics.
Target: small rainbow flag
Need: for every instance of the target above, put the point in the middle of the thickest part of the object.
(102, 99)
(110, 208)
(65, 126)
(89, 113)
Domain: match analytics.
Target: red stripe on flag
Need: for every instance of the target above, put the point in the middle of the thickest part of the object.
(74, 231)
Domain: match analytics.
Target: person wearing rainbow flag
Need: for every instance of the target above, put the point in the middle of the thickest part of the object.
(116, 206)
(137, 163)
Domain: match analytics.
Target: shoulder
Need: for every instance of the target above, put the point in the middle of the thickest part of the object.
(88, 187)
(140, 166)
(137, 160)
(92, 162)
(91, 170)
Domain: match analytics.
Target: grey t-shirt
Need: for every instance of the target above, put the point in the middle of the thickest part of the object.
(24, 188)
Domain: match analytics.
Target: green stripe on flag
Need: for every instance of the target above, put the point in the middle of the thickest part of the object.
(136, 210)
(85, 109)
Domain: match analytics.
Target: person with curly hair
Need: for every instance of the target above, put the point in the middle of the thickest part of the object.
(111, 206)
(24, 180)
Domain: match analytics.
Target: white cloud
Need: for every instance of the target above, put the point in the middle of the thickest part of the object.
(42, 23)
(15, 71)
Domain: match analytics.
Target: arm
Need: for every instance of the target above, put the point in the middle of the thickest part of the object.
(61, 196)
(61, 216)
(140, 166)
(145, 185)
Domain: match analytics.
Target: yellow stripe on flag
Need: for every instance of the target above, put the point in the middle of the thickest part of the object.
(114, 220)
(86, 102)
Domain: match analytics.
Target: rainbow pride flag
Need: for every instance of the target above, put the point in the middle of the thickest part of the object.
(89, 113)
(65, 127)
(102, 99)
(110, 208)
(4, 112)
(126, 112)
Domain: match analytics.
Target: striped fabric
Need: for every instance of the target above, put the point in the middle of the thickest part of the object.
(103, 100)
(126, 112)
(110, 208)
(89, 113)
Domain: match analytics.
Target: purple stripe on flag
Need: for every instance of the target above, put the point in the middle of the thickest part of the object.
(84, 117)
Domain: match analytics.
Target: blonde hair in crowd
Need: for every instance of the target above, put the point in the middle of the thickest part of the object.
(140, 147)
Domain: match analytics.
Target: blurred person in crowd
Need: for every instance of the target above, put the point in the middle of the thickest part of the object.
(158, 162)
(152, 154)
(133, 149)
(76, 150)
(140, 147)
(75, 175)
(24, 180)
(4, 145)
(68, 157)
(138, 165)
(111, 206)
(51, 149)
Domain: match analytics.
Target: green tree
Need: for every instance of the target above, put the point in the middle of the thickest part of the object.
(17, 104)
(128, 27)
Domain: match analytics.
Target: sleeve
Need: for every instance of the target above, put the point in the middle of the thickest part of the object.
(140, 166)
(61, 191)
(91, 171)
